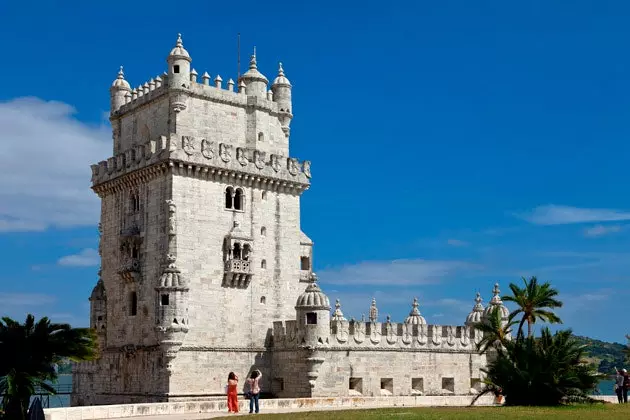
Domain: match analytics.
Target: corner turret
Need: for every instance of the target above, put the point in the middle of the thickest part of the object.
(119, 90)
(255, 81)
(415, 317)
(497, 303)
(98, 311)
(313, 316)
(476, 315)
(179, 66)
(281, 89)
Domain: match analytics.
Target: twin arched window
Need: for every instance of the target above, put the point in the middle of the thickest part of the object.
(234, 199)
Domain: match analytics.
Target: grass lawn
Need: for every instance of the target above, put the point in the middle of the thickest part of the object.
(598, 411)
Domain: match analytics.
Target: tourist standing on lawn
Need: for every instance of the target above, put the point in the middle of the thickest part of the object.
(232, 393)
(254, 390)
(619, 385)
(626, 385)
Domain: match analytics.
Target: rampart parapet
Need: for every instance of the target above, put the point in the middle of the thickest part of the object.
(360, 335)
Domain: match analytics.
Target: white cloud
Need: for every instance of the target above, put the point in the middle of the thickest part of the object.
(601, 230)
(25, 299)
(457, 242)
(86, 258)
(561, 215)
(397, 272)
(45, 166)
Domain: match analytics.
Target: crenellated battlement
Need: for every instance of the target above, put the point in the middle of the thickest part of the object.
(203, 157)
(214, 92)
(360, 335)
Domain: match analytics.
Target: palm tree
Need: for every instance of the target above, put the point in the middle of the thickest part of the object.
(534, 302)
(549, 370)
(495, 334)
(30, 354)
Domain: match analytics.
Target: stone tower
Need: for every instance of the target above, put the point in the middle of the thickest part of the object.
(201, 246)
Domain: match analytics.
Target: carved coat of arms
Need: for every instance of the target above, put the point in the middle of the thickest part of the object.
(275, 162)
(241, 156)
(292, 165)
(225, 151)
(306, 167)
(188, 145)
(259, 159)
(207, 148)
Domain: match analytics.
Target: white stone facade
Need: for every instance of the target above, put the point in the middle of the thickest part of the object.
(203, 260)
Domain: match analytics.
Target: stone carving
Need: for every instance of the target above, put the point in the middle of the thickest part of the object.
(407, 336)
(292, 165)
(241, 156)
(465, 338)
(373, 311)
(435, 335)
(275, 162)
(225, 151)
(342, 332)
(359, 331)
(422, 335)
(172, 221)
(207, 149)
(450, 335)
(306, 167)
(391, 335)
(375, 332)
(188, 145)
(259, 159)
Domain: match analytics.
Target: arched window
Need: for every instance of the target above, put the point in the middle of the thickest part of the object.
(263, 300)
(133, 304)
(263, 264)
(238, 199)
(134, 201)
(229, 192)
(263, 231)
(261, 137)
(237, 251)
(246, 251)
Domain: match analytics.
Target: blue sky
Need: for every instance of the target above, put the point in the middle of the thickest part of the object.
(453, 144)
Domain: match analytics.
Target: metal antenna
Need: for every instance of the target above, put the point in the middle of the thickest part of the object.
(238, 52)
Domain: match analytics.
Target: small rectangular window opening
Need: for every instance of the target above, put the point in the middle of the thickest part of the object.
(134, 304)
(176, 68)
(356, 386)
(311, 318)
(164, 300)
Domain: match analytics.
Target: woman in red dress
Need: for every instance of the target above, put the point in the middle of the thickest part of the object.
(232, 393)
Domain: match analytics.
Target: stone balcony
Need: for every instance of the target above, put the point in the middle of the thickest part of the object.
(129, 269)
(238, 273)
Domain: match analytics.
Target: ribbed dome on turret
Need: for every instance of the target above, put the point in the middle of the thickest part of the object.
(313, 298)
(98, 293)
(415, 318)
(496, 302)
(120, 81)
(281, 79)
(179, 51)
(476, 315)
(252, 74)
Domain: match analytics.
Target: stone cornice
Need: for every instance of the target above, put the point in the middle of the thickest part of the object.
(224, 349)
(200, 158)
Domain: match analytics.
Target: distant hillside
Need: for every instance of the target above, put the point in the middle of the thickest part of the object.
(604, 356)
